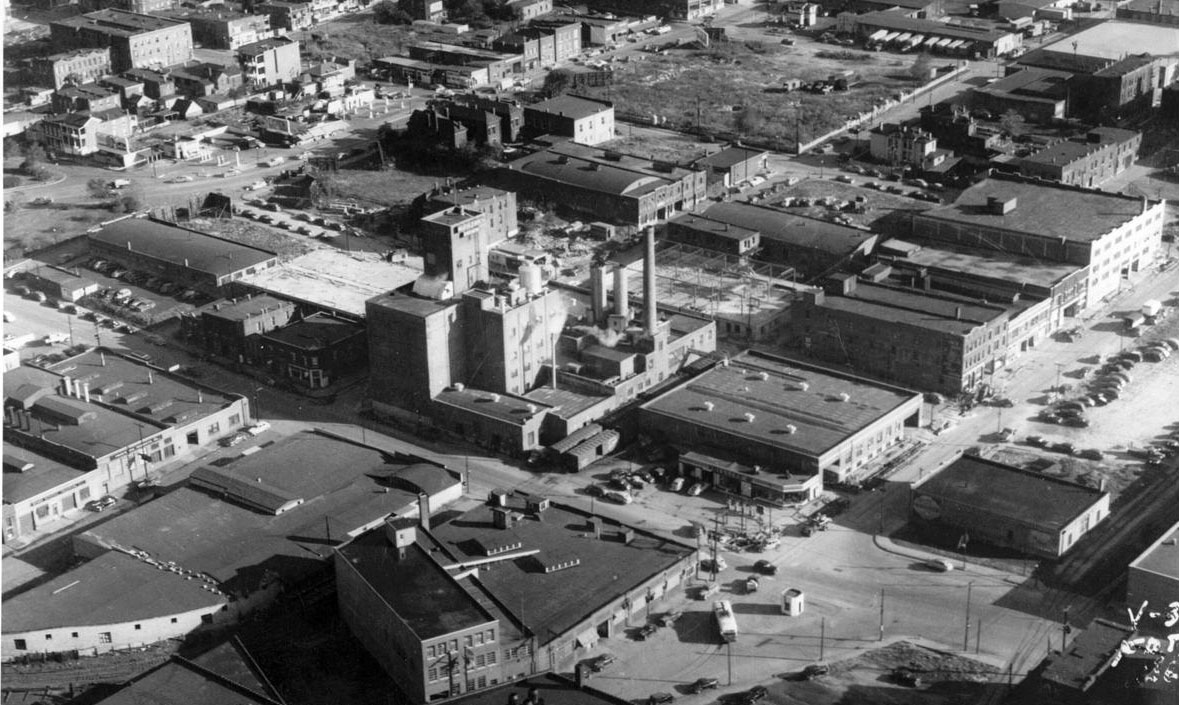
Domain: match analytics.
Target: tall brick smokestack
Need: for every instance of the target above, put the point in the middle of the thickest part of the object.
(621, 296)
(649, 280)
(598, 293)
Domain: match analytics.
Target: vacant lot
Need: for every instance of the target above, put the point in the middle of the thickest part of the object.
(736, 87)
(390, 188)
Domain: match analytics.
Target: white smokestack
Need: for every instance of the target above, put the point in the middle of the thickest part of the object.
(621, 296)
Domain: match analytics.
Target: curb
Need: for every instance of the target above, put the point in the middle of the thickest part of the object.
(39, 184)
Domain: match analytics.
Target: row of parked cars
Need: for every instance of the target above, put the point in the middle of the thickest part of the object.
(153, 283)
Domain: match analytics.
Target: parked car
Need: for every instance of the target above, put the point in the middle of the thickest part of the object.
(599, 663)
(660, 699)
(702, 684)
(696, 489)
(1063, 447)
(646, 632)
(1090, 454)
(232, 440)
(260, 427)
(754, 694)
(102, 504)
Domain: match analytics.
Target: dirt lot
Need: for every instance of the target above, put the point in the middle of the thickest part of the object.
(29, 227)
(390, 188)
(248, 233)
(735, 87)
(878, 205)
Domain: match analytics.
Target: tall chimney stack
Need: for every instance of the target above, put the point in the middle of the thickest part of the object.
(621, 297)
(86, 391)
(598, 293)
(649, 281)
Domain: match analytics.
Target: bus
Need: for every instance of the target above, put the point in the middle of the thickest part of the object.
(726, 621)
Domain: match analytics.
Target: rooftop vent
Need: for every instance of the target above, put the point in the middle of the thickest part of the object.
(749, 417)
(708, 406)
(763, 376)
(803, 386)
(844, 396)
(459, 386)
(1001, 206)
(791, 428)
(493, 397)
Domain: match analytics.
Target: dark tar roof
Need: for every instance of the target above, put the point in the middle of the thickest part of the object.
(730, 157)
(111, 589)
(1161, 558)
(793, 229)
(263, 45)
(1043, 208)
(424, 595)
(941, 311)
(589, 175)
(1087, 655)
(993, 488)
(771, 389)
(570, 106)
(552, 603)
(712, 227)
(1033, 82)
(180, 246)
(315, 332)
(1068, 151)
(44, 474)
(342, 484)
(551, 688)
(218, 677)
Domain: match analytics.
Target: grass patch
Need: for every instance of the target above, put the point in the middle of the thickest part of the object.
(390, 188)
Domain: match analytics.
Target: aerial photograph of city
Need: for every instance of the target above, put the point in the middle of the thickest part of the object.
(599, 352)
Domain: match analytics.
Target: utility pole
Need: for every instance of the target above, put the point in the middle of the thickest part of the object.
(881, 637)
(729, 649)
(822, 637)
(966, 635)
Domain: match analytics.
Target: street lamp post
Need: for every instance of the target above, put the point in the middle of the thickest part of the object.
(256, 408)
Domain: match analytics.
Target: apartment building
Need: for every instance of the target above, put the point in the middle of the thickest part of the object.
(270, 61)
(135, 40)
(77, 67)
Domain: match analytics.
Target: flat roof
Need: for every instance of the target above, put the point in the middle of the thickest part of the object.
(935, 311)
(343, 487)
(566, 403)
(550, 688)
(1031, 82)
(335, 280)
(715, 228)
(550, 604)
(1068, 151)
(731, 156)
(412, 306)
(42, 474)
(113, 588)
(196, 682)
(1162, 558)
(790, 228)
(782, 393)
(315, 332)
(419, 64)
(1043, 208)
(181, 246)
(897, 20)
(994, 488)
(121, 22)
(590, 174)
(245, 308)
(1005, 266)
(472, 197)
(426, 598)
(1110, 40)
(571, 106)
(1088, 653)
(265, 45)
(503, 407)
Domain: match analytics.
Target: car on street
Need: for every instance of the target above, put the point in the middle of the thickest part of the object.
(232, 440)
(102, 504)
(647, 631)
(600, 662)
(180, 179)
(940, 565)
(1037, 441)
(1064, 447)
(696, 489)
(595, 490)
(702, 684)
(1090, 454)
(660, 699)
(754, 694)
(260, 427)
(765, 568)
